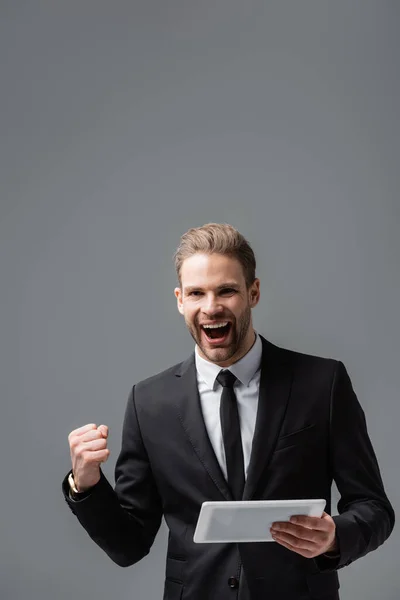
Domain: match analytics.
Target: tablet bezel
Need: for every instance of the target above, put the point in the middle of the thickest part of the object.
(208, 513)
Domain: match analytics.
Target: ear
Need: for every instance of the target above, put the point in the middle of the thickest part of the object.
(255, 293)
(178, 294)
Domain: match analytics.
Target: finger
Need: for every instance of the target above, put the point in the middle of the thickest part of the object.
(298, 531)
(311, 522)
(97, 456)
(295, 542)
(84, 429)
(305, 553)
(91, 445)
(88, 436)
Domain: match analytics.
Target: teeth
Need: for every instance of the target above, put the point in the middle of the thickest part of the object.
(215, 326)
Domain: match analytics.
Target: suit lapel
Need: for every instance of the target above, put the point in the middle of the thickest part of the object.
(275, 384)
(191, 417)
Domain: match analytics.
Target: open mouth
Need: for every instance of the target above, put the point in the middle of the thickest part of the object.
(217, 333)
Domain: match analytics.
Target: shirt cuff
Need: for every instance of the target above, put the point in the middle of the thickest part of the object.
(331, 554)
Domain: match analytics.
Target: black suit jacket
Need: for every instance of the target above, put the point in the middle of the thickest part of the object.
(310, 429)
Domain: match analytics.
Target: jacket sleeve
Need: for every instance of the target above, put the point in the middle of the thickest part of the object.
(366, 517)
(125, 520)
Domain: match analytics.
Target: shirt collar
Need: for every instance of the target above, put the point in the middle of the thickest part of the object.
(244, 369)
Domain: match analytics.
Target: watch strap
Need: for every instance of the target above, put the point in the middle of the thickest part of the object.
(74, 491)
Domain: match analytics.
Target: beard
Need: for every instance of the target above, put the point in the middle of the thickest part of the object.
(238, 333)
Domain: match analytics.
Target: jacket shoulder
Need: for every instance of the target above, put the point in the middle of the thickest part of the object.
(305, 361)
(310, 372)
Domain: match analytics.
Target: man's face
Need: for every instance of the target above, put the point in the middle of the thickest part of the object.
(213, 292)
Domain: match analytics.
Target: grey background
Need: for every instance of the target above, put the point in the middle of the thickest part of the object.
(122, 125)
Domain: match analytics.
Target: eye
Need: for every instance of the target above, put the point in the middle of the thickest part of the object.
(228, 291)
(195, 293)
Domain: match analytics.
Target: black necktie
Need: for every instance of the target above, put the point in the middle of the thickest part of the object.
(231, 434)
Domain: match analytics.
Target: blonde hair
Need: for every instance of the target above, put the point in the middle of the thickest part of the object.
(217, 238)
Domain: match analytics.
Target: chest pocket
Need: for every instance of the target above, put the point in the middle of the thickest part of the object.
(295, 438)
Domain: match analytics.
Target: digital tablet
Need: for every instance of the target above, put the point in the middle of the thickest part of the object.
(249, 520)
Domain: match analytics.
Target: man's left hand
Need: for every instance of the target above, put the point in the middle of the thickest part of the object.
(308, 536)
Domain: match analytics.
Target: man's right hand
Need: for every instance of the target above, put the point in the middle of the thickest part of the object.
(88, 448)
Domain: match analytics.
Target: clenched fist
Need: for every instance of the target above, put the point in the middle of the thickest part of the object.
(88, 447)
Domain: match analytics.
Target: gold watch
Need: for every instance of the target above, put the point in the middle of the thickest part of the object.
(72, 484)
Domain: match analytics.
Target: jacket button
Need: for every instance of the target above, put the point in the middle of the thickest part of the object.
(233, 582)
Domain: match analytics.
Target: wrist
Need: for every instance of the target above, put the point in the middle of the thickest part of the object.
(333, 548)
(73, 486)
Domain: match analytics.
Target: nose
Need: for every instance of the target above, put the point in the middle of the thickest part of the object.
(211, 305)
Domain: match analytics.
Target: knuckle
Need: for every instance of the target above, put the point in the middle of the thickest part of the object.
(87, 456)
(71, 438)
(89, 426)
(78, 450)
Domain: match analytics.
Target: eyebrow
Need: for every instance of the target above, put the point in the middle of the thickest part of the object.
(228, 284)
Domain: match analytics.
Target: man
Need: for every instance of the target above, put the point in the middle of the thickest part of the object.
(239, 419)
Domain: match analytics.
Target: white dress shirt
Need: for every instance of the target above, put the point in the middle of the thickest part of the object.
(246, 388)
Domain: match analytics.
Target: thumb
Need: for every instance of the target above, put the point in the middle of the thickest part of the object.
(104, 430)
(326, 516)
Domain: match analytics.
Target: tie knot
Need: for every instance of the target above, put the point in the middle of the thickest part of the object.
(226, 379)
